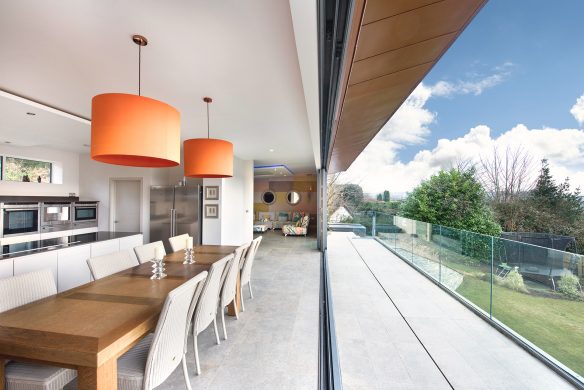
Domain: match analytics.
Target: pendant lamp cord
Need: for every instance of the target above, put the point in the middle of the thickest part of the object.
(139, 67)
(208, 132)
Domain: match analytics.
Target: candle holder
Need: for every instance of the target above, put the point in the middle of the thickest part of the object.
(158, 269)
(189, 256)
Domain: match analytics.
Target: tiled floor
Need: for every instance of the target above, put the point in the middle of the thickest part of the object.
(378, 350)
(274, 345)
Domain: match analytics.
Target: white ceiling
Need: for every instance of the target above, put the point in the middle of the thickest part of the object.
(241, 53)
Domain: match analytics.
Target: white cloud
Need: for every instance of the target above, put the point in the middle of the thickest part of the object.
(476, 86)
(379, 168)
(578, 110)
(564, 148)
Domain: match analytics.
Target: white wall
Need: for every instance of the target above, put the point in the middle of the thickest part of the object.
(65, 172)
(94, 184)
(235, 222)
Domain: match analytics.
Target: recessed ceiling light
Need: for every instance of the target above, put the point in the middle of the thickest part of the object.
(30, 113)
(271, 150)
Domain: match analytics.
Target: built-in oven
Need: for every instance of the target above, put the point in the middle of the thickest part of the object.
(85, 212)
(19, 218)
(55, 216)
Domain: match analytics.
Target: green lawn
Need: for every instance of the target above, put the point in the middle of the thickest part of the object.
(554, 325)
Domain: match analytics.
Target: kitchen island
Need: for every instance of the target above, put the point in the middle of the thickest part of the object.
(66, 256)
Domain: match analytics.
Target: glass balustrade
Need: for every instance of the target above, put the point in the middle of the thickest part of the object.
(534, 291)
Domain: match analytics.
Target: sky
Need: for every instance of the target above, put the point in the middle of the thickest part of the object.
(513, 79)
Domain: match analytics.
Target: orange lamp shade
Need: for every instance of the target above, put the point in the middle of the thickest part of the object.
(208, 157)
(134, 131)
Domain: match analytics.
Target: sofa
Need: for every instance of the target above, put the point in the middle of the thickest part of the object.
(298, 229)
(278, 219)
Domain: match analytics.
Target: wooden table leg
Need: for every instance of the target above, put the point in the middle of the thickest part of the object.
(104, 377)
(2, 372)
(236, 304)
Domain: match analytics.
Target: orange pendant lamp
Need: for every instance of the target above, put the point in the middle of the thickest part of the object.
(208, 157)
(134, 130)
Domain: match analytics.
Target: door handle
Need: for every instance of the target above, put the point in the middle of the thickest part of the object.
(115, 221)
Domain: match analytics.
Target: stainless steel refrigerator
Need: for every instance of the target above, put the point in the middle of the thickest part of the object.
(176, 210)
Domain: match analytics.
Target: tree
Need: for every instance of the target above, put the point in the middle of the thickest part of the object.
(386, 196)
(351, 196)
(379, 197)
(452, 198)
(333, 193)
(506, 176)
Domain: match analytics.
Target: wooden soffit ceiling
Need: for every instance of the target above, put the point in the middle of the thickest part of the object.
(392, 45)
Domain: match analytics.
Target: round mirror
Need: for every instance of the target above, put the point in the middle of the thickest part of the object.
(268, 197)
(293, 198)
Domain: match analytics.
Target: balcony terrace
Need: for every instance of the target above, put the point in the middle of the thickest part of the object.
(397, 329)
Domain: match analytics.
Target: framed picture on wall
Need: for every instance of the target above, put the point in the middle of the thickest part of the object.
(211, 211)
(212, 193)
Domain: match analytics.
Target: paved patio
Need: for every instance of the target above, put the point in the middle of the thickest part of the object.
(416, 336)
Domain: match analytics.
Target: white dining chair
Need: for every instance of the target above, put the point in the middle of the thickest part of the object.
(149, 363)
(106, 265)
(206, 309)
(229, 289)
(178, 243)
(146, 253)
(245, 277)
(17, 291)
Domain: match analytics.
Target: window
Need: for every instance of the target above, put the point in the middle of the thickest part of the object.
(20, 169)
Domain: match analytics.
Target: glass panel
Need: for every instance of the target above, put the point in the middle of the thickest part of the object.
(537, 293)
(19, 169)
(465, 259)
(403, 240)
(426, 253)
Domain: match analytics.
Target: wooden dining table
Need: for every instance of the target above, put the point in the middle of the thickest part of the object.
(89, 327)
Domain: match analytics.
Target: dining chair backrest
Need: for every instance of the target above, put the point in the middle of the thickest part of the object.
(169, 343)
(248, 262)
(230, 284)
(26, 288)
(106, 265)
(146, 253)
(178, 243)
(206, 309)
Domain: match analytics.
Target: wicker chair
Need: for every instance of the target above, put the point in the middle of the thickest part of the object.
(246, 269)
(149, 363)
(230, 284)
(206, 310)
(178, 243)
(106, 265)
(17, 291)
(146, 253)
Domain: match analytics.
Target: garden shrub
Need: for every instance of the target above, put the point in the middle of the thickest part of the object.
(513, 280)
(569, 286)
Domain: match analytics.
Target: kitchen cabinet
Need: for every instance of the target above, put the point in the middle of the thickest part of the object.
(62, 233)
(73, 270)
(37, 262)
(6, 268)
(130, 242)
(19, 239)
(105, 247)
(84, 230)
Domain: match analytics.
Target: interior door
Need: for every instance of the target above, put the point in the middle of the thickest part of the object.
(127, 205)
